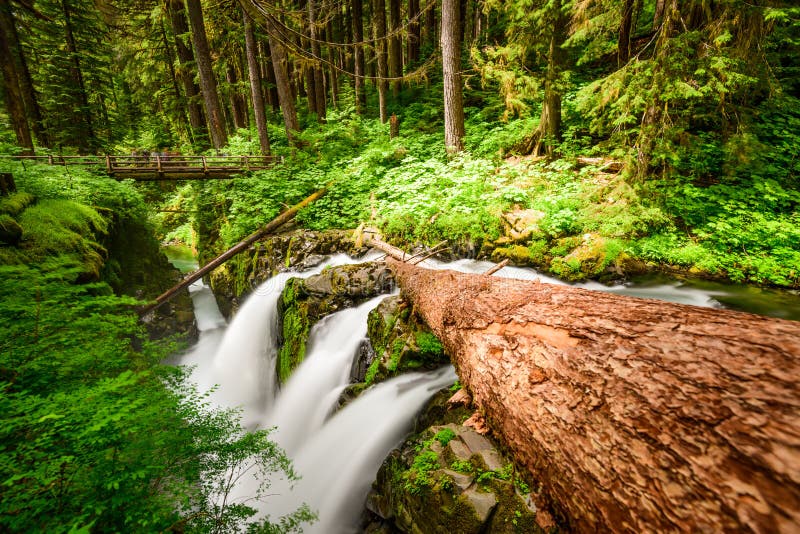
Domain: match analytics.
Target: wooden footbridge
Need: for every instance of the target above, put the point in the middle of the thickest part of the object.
(161, 166)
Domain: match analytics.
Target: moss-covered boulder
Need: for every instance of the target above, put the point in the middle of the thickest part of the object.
(10, 230)
(305, 301)
(400, 341)
(451, 479)
(296, 250)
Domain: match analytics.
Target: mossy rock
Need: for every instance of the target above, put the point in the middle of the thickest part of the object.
(15, 203)
(420, 488)
(401, 341)
(10, 230)
(295, 250)
(592, 258)
(303, 302)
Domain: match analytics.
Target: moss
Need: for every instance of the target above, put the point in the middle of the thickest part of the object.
(516, 254)
(15, 203)
(295, 328)
(372, 371)
(10, 230)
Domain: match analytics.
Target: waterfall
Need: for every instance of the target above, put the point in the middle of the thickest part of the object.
(311, 392)
(336, 456)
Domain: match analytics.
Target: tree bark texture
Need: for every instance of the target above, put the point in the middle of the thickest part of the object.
(13, 95)
(625, 26)
(257, 96)
(635, 415)
(358, 59)
(30, 96)
(319, 79)
(414, 32)
(451, 68)
(180, 28)
(281, 67)
(381, 50)
(238, 102)
(88, 140)
(208, 83)
(395, 47)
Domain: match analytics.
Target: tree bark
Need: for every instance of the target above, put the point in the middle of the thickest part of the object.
(395, 47)
(624, 47)
(548, 134)
(280, 66)
(13, 95)
(180, 28)
(88, 140)
(208, 83)
(238, 102)
(635, 415)
(257, 96)
(414, 32)
(379, 21)
(30, 96)
(319, 79)
(451, 68)
(360, 73)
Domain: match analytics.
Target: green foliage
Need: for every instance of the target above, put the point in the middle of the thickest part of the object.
(429, 344)
(444, 436)
(95, 434)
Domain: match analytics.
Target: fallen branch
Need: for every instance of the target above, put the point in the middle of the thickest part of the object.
(273, 225)
(635, 415)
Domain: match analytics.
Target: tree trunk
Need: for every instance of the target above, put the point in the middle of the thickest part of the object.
(257, 96)
(379, 22)
(237, 101)
(430, 36)
(360, 73)
(208, 83)
(88, 141)
(451, 68)
(281, 67)
(658, 15)
(548, 134)
(333, 59)
(319, 80)
(395, 47)
(13, 95)
(624, 47)
(414, 32)
(180, 28)
(271, 91)
(30, 96)
(635, 415)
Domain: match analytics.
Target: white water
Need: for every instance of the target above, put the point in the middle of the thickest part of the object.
(313, 389)
(337, 457)
(674, 292)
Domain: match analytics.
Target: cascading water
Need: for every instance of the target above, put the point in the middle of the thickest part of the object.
(314, 387)
(338, 458)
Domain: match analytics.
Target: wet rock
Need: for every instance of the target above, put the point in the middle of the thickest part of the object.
(401, 341)
(295, 250)
(305, 301)
(423, 487)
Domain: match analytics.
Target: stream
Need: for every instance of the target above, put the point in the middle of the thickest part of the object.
(338, 455)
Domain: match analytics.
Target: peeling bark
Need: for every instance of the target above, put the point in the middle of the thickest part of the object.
(636, 415)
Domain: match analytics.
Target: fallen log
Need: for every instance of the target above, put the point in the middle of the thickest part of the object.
(271, 226)
(635, 415)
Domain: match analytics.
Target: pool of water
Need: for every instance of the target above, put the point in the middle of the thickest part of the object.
(182, 257)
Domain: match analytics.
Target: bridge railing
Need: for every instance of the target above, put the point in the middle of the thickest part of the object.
(159, 163)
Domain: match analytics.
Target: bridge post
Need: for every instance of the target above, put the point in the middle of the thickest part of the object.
(205, 166)
(108, 164)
